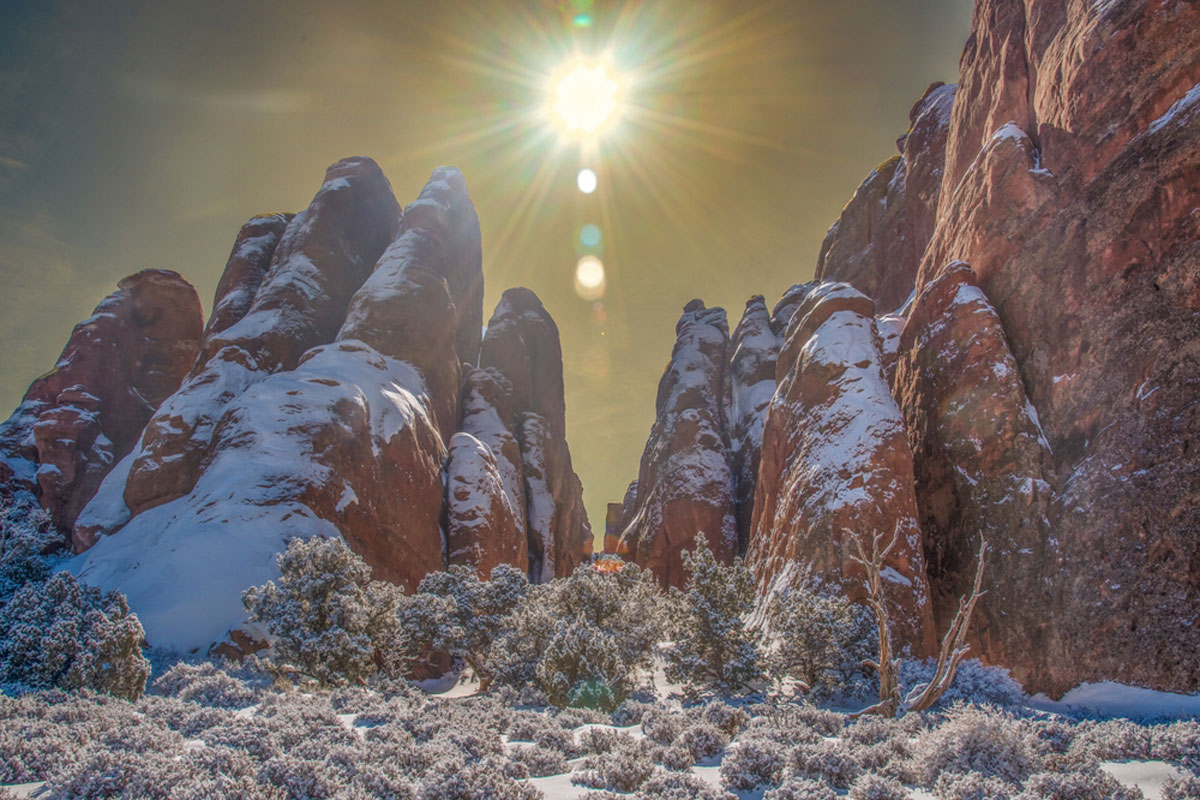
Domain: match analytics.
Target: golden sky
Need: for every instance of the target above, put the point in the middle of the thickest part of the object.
(138, 135)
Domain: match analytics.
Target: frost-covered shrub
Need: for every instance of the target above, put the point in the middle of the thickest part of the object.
(1186, 787)
(678, 757)
(1049, 737)
(581, 666)
(823, 721)
(1090, 784)
(541, 761)
(630, 712)
(205, 684)
(726, 718)
(252, 736)
(974, 739)
(582, 639)
(714, 648)
(819, 637)
(797, 788)
(1177, 742)
(749, 763)
(972, 786)
(481, 780)
(782, 730)
(187, 719)
(872, 786)
(25, 533)
(623, 769)
(595, 740)
(825, 761)
(65, 634)
(1111, 740)
(703, 741)
(678, 786)
(454, 612)
(662, 725)
(974, 682)
(330, 622)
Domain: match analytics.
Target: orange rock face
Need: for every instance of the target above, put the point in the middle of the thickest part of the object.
(982, 468)
(836, 466)
(685, 485)
(80, 418)
(332, 397)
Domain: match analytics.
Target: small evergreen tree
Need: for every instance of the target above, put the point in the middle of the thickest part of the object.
(714, 648)
(454, 612)
(25, 533)
(583, 638)
(819, 638)
(330, 622)
(65, 634)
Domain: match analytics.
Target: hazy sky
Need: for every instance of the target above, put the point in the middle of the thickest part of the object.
(138, 135)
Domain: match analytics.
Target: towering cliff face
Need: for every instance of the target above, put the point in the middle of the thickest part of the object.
(685, 485)
(335, 392)
(80, 418)
(1069, 188)
(836, 468)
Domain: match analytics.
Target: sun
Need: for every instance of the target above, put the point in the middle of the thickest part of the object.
(585, 98)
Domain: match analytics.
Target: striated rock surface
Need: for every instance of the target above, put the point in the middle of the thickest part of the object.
(120, 363)
(349, 440)
(322, 257)
(684, 484)
(523, 350)
(1071, 173)
(751, 375)
(877, 243)
(982, 469)
(245, 270)
(836, 465)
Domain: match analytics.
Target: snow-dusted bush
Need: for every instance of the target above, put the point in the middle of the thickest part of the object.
(678, 786)
(25, 533)
(583, 638)
(974, 682)
(804, 715)
(596, 740)
(974, 739)
(187, 719)
(825, 761)
(1186, 787)
(714, 648)
(62, 633)
(726, 718)
(1049, 737)
(580, 666)
(703, 741)
(818, 637)
(454, 612)
(1111, 740)
(541, 761)
(1089, 784)
(677, 757)
(749, 763)
(1178, 742)
(797, 788)
(663, 725)
(623, 769)
(972, 786)
(480, 780)
(872, 786)
(330, 622)
(205, 684)
(629, 712)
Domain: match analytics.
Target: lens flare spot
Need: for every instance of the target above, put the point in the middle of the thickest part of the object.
(589, 278)
(585, 98)
(590, 236)
(586, 180)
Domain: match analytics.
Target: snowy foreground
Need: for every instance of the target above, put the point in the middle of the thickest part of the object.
(205, 732)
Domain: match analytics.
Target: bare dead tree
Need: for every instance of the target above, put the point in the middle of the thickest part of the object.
(953, 649)
(886, 665)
